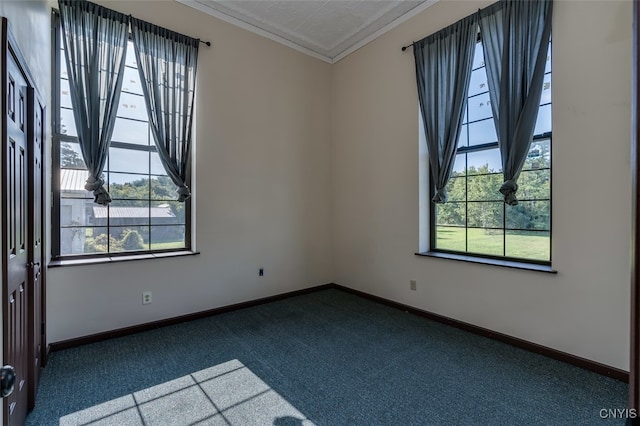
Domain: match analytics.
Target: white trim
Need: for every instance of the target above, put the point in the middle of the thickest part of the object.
(278, 39)
(410, 14)
(252, 28)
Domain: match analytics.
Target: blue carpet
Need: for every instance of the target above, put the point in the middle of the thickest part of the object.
(325, 358)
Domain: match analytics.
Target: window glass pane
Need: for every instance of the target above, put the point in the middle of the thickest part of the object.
(78, 240)
(126, 213)
(162, 188)
(450, 238)
(475, 219)
(135, 177)
(478, 56)
(132, 106)
(528, 245)
(451, 213)
(131, 131)
(484, 187)
(534, 185)
(459, 165)
(167, 237)
(482, 132)
(545, 98)
(479, 107)
(167, 213)
(478, 82)
(486, 161)
(485, 241)
(539, 156)
(456, 189)
(71, 156)
(547, 67)
(65, 95)
(72, 183)
(67, 122)
(463, 137)
(529, 215)
(128, 160)
(485, 214)
(131, 81)
(129, 238)
(130, 58)
(76, 211)
(63, 65)
(156, 165)
(128, 186)
(543, 124)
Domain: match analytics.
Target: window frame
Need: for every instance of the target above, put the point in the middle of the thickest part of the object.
(57, 139)
(502, 260)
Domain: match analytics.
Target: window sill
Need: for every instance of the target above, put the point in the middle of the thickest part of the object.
(111, 259)
(494, 262)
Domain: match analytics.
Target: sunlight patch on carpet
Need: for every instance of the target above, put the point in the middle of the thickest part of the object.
(225, 394)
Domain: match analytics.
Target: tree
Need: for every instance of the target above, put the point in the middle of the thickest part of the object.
(69, 157)
(137, 192)
(484, 208)
(132, 240)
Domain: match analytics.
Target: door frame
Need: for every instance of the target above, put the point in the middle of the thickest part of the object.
(9, 47)
(634, 359)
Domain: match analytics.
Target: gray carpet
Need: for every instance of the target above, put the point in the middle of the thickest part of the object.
(325, 358)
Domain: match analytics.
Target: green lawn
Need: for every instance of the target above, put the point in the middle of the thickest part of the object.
(524, 245)
(168, 245)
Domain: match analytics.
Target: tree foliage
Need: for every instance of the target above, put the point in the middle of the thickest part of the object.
(70, 158)
(137, 193)
(485, 207)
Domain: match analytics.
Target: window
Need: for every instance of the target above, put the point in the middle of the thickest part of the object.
(475, 220)
(143, 216)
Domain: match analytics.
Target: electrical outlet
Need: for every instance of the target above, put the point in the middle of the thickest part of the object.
(146, 298)
(261, 272)
(413, 285)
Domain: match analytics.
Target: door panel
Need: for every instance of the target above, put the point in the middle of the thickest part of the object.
(15, 199)
(35, 242)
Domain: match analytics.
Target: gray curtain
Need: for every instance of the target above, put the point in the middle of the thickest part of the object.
(515, 36)
(443, 69)
(167, 66)
(95, 43)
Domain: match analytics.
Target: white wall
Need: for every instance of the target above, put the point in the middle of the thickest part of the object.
(262, 197)
(584, 309)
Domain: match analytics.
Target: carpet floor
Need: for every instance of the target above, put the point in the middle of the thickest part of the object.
(324, 358)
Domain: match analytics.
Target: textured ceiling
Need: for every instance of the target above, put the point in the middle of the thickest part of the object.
(326, 29)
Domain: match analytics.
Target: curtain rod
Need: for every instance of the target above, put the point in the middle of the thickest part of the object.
(208, 43)
(410, 45)
(407, 46)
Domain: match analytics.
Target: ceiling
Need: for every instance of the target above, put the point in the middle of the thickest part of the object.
(326, 29)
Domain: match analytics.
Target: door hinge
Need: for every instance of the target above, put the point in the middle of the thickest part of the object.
(42, 328)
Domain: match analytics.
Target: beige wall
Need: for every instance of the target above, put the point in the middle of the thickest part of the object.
(30, 23)
(262, 197)
(584, 309)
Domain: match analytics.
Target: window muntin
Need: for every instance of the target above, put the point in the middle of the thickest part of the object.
(143, 215)
(475, 220)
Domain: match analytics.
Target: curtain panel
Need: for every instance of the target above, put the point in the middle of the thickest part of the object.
(167, 64)
(95, 44)
(515, 36)
(443, 64)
